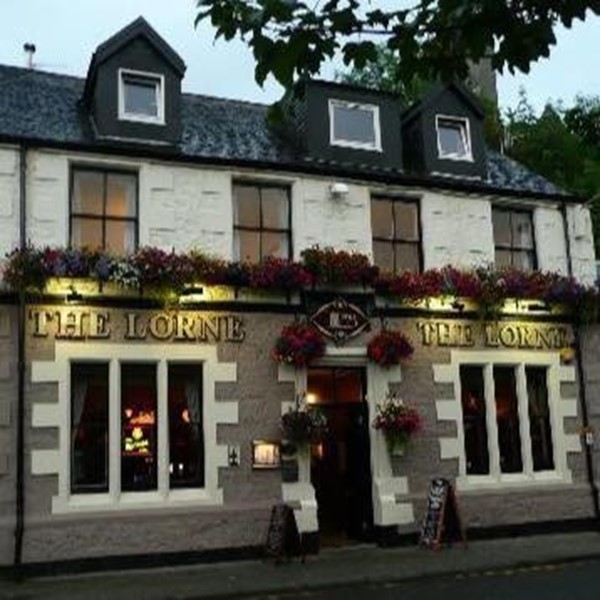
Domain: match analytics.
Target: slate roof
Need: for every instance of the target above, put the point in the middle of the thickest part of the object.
(45, 107)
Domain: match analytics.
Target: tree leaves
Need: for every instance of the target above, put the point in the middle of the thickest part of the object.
(563, 145)
(433, 39)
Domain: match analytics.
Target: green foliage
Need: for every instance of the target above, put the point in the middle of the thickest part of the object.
(432, 39)
(385, 74)
(561, 144)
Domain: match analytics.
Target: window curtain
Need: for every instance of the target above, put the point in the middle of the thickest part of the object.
(78, 396)
(192, 397)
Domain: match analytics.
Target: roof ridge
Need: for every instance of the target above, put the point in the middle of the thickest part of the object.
(28, 71)
(36, 71)
(228, 100)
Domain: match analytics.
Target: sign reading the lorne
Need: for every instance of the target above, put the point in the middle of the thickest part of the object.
(340, 320)
(82, 324)
(523, 336)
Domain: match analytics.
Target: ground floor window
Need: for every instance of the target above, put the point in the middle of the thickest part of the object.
(506, 419)
(140, 407)
(89, 427)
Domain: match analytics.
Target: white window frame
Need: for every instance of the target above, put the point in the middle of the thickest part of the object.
(465, 134)
(58, 461)
(559, 409)
(375, 146)
(159, 80)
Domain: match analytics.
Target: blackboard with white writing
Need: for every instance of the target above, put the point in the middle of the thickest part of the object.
(442, 519)
(283, 539)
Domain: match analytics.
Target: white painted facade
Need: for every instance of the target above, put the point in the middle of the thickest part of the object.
(191, 206)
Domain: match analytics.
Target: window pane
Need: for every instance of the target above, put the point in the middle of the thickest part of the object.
(523, 260)
(383, 255)
(248, 246)
(507, 416)
(503, 258)
(353, 124)
(275, 208)
(382, 221)
(86, 233)
(138, 427)
(88, 192)
(141, 95)
(522, 230)
(407, 221)
(407, 257)
(452, 137)
(120, 237)
(120, 195)
(275, 244)
(246, 206)
(474, 420)
(502, 231)
(186, 440)
(539, 419)
(89, 427)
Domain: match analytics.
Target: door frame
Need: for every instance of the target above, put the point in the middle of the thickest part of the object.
(389, 508)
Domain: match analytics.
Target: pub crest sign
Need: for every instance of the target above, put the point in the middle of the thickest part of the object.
(340, 320)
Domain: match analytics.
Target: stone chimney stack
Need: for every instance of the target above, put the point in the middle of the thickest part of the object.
(482, 80)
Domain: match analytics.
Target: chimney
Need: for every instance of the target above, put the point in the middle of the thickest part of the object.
(29, 51)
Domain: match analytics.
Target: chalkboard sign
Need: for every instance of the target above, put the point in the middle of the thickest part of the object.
(442, 519)
(283, 539)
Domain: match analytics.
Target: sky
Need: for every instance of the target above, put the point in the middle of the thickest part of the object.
(66, 32)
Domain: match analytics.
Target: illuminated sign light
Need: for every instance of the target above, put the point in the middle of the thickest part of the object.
(265, 455)
(136, 444)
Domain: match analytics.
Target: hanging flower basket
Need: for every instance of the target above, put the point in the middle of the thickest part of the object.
(298, 345)
(303, 425)
(389, 347)
(398, 421)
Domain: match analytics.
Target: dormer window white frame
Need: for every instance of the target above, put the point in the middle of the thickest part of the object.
(335, 139)
(459, 125)
(154, 83)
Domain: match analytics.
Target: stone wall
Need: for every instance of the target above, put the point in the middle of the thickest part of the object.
(590, 339)
(8, 422)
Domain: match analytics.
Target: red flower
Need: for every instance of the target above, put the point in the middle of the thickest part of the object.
(389, 348)
(299, 344)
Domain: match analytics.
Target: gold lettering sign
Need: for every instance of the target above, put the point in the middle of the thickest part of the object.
(91, 324)
(521, 336)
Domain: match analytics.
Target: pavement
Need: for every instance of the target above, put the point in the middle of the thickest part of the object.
(330, 569)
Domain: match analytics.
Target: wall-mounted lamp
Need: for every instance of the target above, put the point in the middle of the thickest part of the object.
(338, 190)
(539, 307)
(73, 296)
(233, 456)
(265, 455)
(193, 293)
(459, 306)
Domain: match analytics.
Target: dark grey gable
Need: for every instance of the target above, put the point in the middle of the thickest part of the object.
(135, 51)
(451, 104)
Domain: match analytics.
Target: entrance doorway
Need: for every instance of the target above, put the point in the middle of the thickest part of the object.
(341, 463)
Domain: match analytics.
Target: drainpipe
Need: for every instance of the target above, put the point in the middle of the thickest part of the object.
(20, 480)
(589, 462)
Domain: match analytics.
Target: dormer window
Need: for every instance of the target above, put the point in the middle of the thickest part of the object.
(453, 138)
(354, 125)
(141, 97)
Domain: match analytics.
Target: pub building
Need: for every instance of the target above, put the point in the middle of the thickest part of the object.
(134, 428)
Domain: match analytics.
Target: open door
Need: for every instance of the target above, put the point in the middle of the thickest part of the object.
(341, 464)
